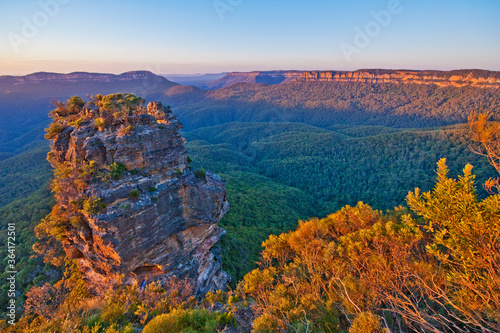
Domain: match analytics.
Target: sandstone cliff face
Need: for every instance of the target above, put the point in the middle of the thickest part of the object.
(156, 219)
(458, 78)
(480, 79)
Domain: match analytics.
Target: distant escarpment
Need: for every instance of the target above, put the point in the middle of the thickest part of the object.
(456, 78)
(459, 78)
(128, 203)
(81, 77)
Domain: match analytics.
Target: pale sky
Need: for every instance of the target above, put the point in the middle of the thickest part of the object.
(208, 36)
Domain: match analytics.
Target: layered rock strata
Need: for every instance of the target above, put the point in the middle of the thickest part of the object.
(150, 215)
(457, 78)
(480, 79)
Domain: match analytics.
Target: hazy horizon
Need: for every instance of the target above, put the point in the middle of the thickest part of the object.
(198, 37)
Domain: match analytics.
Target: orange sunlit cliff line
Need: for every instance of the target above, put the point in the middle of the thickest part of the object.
(455, 78)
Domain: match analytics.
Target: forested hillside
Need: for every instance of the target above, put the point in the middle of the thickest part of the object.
(330, 104)
(323, 170)
(26, 101)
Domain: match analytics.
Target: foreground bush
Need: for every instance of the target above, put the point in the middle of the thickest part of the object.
(201, 321)
(361, 270)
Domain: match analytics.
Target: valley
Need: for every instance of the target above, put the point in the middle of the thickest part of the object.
(288, 152)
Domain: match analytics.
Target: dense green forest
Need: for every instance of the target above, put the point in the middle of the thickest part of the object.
(24, 181)
(24, 174)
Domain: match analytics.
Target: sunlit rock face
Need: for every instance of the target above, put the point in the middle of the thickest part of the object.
(159, 220)
(461, 78)
(457, 78)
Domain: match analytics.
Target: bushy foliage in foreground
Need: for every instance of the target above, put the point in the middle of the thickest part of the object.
(434, 271)
(431, 268)
(161, 307)
(183, 321)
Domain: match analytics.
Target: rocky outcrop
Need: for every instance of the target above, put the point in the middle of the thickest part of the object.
(145, 213)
